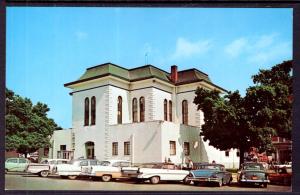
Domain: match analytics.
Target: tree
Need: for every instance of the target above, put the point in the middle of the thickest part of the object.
(27, 126)
(232, 121)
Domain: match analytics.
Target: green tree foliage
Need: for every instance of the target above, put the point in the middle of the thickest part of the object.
(27, 126)
(232, 121)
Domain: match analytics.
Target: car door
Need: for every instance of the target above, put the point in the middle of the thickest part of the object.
(11, 164)
(22, 164)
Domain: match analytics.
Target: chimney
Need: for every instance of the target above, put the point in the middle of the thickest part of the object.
(174, 74)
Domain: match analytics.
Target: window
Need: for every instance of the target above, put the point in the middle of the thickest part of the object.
(115, 148)
(84, 163)
(93, 162)
(93, 110)
(165, 110)
(142, 109)
(227, 153)
(86, 112)
(186, 148)
(185, 112)
(22, 160)
(126, 148)
(170, 110)
(46, 151)
(172, 148)
(134, 110)
(63, 147)
(12, 160)
(119, 110)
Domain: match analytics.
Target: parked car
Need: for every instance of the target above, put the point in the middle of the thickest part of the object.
(253, 173)
(16, 164)
(282, 175)
(73, 169)
(209, 173)
(44, 168)
(107, 170)
(161, 172)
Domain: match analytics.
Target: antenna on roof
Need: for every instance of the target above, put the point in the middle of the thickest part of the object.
(146, 58)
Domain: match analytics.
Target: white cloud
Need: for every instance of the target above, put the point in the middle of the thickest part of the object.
(236, 47)
(263, 49)
(81, 35)
(278, 51)
(186, 49)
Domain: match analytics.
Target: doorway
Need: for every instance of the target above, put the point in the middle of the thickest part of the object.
(90, 150)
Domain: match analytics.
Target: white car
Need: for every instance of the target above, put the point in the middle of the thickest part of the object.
(73, 169)
(44, 168)
(162, 172)
(107, 170)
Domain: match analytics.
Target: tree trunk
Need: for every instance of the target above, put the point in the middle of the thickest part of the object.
(242, 151)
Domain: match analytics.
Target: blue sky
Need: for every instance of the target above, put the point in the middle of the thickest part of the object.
(47, 47)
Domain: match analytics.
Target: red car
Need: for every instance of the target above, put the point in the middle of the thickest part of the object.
(281, 175)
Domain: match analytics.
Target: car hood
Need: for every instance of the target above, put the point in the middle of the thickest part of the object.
(203, 172)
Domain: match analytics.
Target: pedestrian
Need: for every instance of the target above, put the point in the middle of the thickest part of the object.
(191, 164)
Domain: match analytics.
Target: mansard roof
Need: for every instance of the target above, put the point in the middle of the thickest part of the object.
(141, 73)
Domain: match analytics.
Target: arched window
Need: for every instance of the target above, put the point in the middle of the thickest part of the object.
(165, 110)
(119, 110)
(93, 110)
(142, 109)
(86, 111)
(170, 110)
(185, 112)
(134, 110)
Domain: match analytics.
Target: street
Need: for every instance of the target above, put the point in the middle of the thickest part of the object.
(19, 181)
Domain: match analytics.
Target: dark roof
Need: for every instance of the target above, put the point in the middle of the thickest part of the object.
(141, 73)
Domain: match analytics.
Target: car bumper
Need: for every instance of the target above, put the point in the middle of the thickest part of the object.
(203, 179)
(254, 181)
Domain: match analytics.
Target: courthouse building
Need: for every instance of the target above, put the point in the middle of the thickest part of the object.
(143, 114)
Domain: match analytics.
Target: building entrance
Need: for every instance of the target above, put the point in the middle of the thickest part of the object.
(90, 150)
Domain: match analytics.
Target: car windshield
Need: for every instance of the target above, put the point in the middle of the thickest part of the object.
(103, 163)
(253, 167)
(212, 167)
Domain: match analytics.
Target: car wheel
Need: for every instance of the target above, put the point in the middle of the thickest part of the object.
(72, 177)
(265, 185)
(229, 181)
(196, 183)
(186, 181)
(220, 183)
(44, 173)
(154, 180)
(106, 178)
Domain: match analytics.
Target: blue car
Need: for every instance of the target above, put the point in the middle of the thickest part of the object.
(210, 173)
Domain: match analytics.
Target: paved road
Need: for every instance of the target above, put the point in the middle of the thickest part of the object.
(32, 182)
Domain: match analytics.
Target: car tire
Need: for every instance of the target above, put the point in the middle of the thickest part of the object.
(196, 183)
(220, 183)
(154, 180)
(186, 181)
(265, 185)
(72, 177)
(229, 181)
(106, 178)
(44, 173)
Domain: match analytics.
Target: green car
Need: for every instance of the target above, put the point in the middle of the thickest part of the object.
(16, 164)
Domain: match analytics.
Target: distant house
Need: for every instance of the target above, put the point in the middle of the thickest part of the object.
(142, 114)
